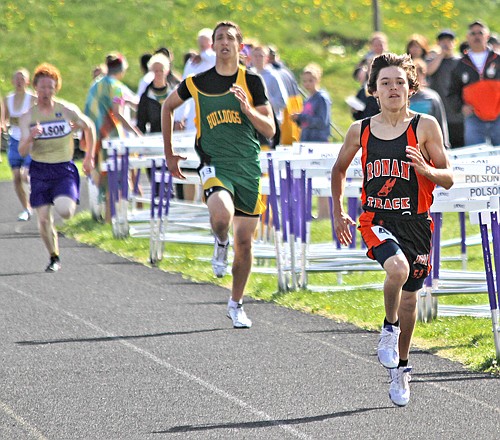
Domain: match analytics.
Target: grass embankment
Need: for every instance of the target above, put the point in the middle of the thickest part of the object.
(75, 35)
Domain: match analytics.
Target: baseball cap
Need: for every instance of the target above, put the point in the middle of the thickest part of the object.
(477, 23)
(446, 33)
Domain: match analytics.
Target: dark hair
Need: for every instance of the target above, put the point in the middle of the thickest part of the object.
(229, 24)
(116, 63)
(391, 59)
(165, 51)
(145, 57)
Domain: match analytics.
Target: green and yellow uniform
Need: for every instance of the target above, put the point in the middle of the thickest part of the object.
(226, 139)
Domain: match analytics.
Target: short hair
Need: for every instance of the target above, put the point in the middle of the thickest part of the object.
(313, 69)
(229, 24)
(379, 36)
(116, 63)
(159, 58)
(46, 70)
(263, 49)
(23, 71)
(165, 51)
(391, 59)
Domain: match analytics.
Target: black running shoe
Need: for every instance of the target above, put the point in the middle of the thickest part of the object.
(54, 265)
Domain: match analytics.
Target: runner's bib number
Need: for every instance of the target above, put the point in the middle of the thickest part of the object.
(207, 172)
(383, 234)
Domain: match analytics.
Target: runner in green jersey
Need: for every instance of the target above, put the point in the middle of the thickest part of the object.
(231, 106)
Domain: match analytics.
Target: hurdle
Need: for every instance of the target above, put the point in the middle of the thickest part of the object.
(476, 179)
(302, 174)
(487, 219)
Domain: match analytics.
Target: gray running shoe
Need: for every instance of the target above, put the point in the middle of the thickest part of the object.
(388, 348)
(219, 259)
(399, 391)
(24, 216)
(239, 317)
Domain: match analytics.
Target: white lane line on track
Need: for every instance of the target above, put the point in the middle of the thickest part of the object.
(35, 433)
(191, 377)
(282, 328)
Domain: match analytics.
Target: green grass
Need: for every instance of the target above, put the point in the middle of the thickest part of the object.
(77, 34)
(467, 340)
(5, 172)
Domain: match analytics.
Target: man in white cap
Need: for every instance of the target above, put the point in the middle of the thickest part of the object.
(184, 115)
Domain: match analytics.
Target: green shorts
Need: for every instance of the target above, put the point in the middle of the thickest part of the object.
(241, 179)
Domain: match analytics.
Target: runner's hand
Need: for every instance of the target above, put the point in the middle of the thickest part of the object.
(173, 166)
(417, 160)
(342, 225)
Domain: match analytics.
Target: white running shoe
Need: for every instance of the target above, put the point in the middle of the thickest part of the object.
(239, 317)
(219, 260)
(399, 391)
(388, 347)
(24, 216)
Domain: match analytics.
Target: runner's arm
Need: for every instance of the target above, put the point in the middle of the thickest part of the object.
(431, 148)
(28, 134)
(89, 132)
(342, 221)
(167, 127)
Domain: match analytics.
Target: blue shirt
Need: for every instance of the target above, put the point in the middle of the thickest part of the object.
(314, 120)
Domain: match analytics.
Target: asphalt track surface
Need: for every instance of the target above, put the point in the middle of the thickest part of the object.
(110, 349)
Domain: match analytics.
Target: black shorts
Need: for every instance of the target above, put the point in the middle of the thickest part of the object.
(413, 236)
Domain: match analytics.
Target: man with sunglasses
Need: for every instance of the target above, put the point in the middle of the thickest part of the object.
(475, 88)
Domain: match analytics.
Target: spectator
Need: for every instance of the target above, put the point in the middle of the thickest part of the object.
(275, 88)
(147, 76)
(98, 71)
(205, 59)
(185, 114)
(475, 88)
(440, 63)
(378, 45)
(428, 101)
(105, 105)
(314, 120)
(417, 47)
(494, 42)
(46, 134)
(149, 110)
(363, 105)
(16, 104)
(290, 131)
(172, 77)
(463, 48)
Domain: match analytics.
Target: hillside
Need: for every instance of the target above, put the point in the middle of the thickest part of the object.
(76, 34)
